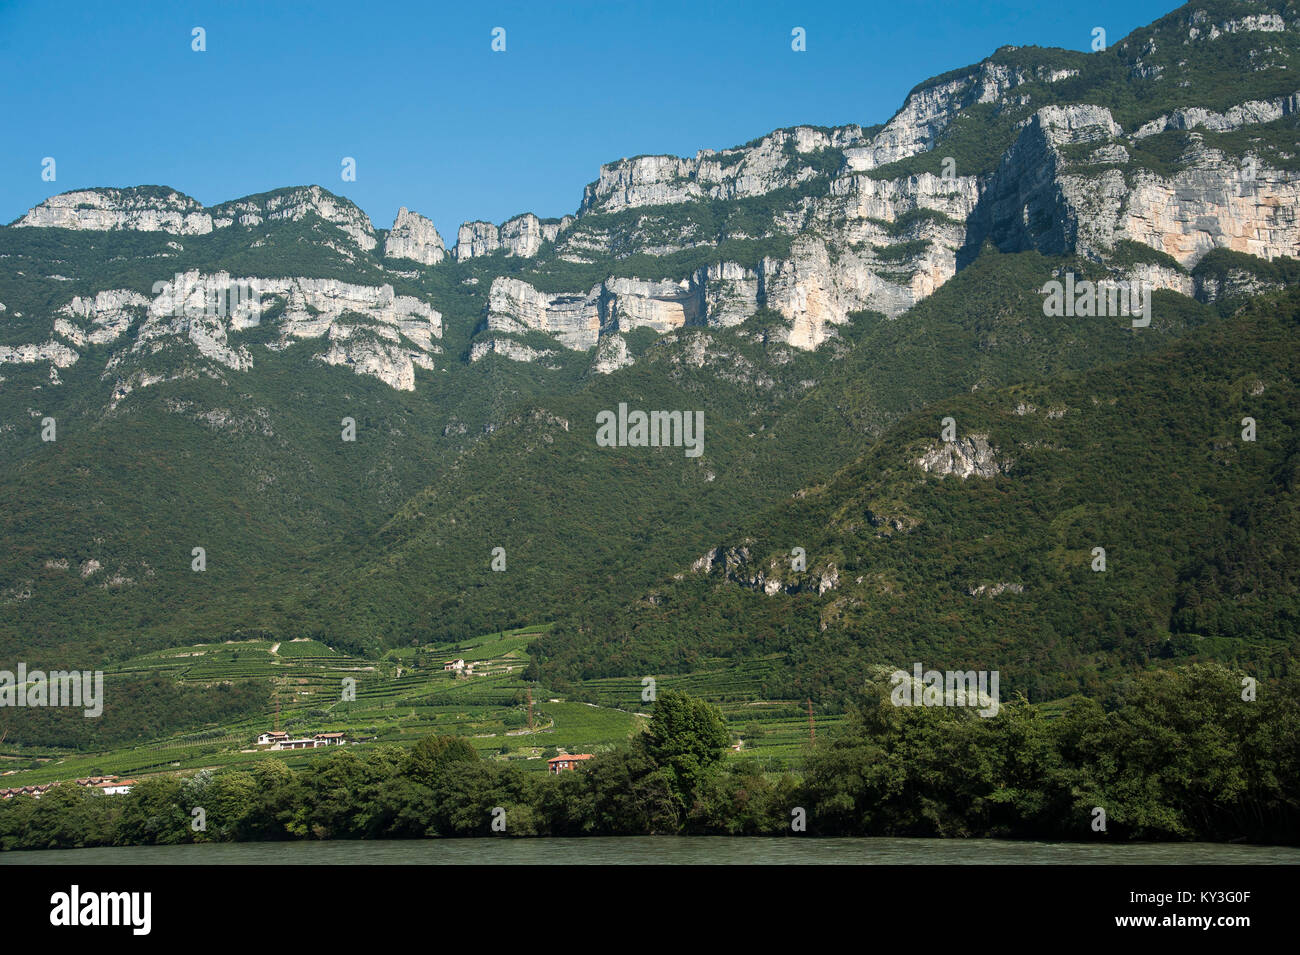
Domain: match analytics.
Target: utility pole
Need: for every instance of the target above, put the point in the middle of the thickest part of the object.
(812, 727)
(530, 709)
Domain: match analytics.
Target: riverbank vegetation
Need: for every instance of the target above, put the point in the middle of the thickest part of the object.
(1185, 754)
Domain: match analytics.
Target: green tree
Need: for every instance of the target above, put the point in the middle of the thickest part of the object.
(430, 757)
(686, 736)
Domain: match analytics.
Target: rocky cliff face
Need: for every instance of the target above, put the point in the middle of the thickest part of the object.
(154, 209)
(781, 159)
(1069, 185)
(1233, 283)
(105, 210)
(1251, 113)
(859, 242)
(844, 256)
(931, 108)
(724, 294)
(1192, 213)
(414, 237)
(815, 223)
(293, 205)
(56, 353)
(971, 456)
(787, 158)
(368, 328)
(737, 565)
(521, 236)
(614, 306)
(573, 320)
(101, 319)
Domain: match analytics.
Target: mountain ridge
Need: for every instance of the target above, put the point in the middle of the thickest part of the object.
(811, 293)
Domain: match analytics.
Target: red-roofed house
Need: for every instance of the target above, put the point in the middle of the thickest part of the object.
(566, 762)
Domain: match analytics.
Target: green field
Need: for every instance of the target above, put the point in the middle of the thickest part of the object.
(398, 702)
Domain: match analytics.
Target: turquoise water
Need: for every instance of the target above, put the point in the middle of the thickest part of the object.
(650, 850)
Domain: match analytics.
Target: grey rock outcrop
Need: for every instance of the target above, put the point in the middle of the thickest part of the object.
(522, 236)
(1039, 200)
(789, 157)
(141, 210)
(1193, 212)
(572, 319)
(109, 314)
(414, 237)
(146, 209)
(611, 355)
(369, 328)
(56, 353)
(293, 205)
(995, 590)
(810, 290)
(1233, 283)
(769, 163)
(971, 456)
(1245, 114)
(507, 348)
(736, 565)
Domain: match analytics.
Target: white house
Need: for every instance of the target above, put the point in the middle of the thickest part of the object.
(115, 787)
(309, 742)
(294, 744)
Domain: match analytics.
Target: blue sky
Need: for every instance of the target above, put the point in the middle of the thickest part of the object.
(437, 121)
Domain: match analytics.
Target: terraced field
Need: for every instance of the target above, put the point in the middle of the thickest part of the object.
(775, 732)
(404, 697)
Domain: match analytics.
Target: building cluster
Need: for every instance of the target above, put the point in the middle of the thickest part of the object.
(276, 739)
(109, 785)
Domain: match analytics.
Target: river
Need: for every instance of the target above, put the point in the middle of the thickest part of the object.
(643, 850)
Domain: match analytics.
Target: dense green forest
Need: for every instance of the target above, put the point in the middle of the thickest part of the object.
(1144, 458)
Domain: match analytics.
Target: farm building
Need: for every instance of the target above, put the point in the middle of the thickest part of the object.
(33, 791)
(109, 785)
(281, 741)
(115, 787)
(566, 762)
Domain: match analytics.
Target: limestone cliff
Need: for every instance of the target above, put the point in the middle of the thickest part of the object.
(157, 209)
(521, 236)
(1050, 195)
(1049, 150)
(414, 237)
(141, 210)
(369, 328)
